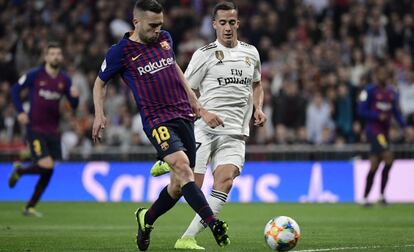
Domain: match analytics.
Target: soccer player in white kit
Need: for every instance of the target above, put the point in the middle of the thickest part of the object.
(226, 76)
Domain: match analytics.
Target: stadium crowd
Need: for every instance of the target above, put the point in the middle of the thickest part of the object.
(317, 55)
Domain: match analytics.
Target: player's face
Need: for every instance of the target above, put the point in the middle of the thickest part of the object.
(226, 24)
(382, 75)
(54, 57)
(149, 26)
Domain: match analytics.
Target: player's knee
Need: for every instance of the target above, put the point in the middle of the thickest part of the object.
(388, 159)
(46, 162)
(182, 169)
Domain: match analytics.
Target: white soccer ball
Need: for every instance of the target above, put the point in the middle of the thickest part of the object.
(282, 233)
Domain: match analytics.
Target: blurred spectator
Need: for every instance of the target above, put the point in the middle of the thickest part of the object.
(406, 90)
(376, 38)
(318, 120)
(289, 112)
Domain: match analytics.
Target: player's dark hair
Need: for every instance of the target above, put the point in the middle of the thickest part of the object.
(53, 44)
(148, 5)
(224, 6)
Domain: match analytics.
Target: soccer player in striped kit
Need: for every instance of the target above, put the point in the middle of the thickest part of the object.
(378, 105)
(146, 62)
(47, 85)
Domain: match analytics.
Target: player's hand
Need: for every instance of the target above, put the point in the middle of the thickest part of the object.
(259, 118)
(211, 119)
(99, 124)
(74, 92)
(196, 109)
(408, 133)
(23, 118)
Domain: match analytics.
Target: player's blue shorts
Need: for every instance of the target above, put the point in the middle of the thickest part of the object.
(172, 136)
(42, 145)
(379, 143)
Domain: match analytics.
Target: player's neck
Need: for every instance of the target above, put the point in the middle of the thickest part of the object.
(232, 44)
(382, 85)
(134, 37)
(51, 70)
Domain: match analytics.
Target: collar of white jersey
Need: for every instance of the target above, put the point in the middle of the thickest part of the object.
(225, 47)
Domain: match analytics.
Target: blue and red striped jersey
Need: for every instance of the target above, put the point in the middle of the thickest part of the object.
(149, 71)
(375, 101)
(45, 93)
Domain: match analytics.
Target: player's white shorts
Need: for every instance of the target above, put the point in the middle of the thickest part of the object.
(218, 150)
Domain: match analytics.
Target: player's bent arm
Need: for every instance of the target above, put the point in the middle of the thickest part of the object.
(72, 94)
(22, 117)
(258, 97)
(98, 96)
(15, 95)
(98, 99)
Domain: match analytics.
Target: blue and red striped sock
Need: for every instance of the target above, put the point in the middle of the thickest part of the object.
(195, 198)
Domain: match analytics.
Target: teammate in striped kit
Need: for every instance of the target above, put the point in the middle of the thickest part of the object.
(378, 104)
(226, 74)
(146, 62)
(47, 85)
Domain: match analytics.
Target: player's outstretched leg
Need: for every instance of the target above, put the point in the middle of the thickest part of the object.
(144, 230)
(159, 168)
(41, 185)
(195, 198)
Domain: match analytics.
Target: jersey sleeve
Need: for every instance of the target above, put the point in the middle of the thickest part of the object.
(196, 69)
(25, 81)
(364, 110)
(112, 63)
(257, 74)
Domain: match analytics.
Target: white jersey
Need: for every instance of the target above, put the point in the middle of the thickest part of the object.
(224, 78)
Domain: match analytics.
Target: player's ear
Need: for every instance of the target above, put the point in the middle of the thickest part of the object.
(135, 21)
(215, 24)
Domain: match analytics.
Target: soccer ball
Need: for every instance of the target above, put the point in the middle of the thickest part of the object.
(282, 233)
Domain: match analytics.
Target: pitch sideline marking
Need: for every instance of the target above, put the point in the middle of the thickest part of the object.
(361, 248)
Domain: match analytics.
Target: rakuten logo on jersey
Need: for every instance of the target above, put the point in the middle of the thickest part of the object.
(49, 95)
(153, 67)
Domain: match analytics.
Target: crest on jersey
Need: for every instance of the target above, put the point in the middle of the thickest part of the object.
(220, 56)
(164, 45)
(61, 86)
(42, 83)
(164, 146)
(248, 61)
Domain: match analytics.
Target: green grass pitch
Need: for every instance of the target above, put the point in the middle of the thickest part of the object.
(85, 226)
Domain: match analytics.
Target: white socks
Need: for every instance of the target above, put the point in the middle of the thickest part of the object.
(216, 200)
